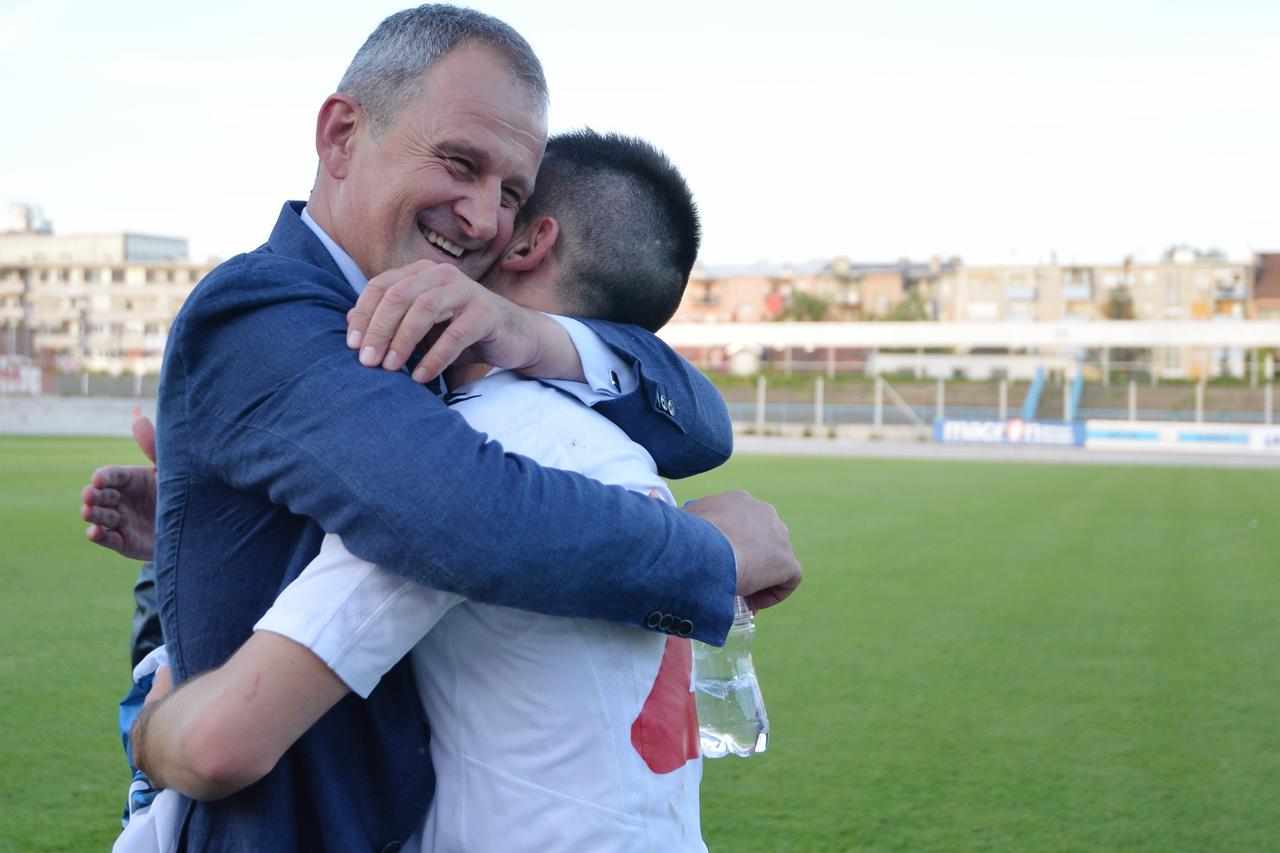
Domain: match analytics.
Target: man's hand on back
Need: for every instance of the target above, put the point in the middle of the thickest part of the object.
(768, 570)
(456, 317)
(120, 501)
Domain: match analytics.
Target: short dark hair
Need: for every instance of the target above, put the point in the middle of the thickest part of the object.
(629, 229)
(385, 72)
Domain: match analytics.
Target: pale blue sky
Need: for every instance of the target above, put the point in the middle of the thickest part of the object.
(992, 130)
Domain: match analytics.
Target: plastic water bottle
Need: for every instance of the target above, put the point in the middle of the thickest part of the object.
(731, 715)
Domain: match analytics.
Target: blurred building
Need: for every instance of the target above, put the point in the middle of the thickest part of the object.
(835, 289)
(1185, 286)
(1182, 288)
(101, 302)
(1266, 286)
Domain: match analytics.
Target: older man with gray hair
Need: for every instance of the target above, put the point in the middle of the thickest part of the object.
(270, 433)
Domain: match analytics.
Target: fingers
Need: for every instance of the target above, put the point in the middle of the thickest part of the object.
(99, 505)
(429, 309)
(100, 515)
(381, 308)
(383, 324)
(765, 598)
(100, 497)
(114, 476)
(768, 571)
(358, 317)
(456, 337)
(773, 595)
(109, 539)
(144, 433)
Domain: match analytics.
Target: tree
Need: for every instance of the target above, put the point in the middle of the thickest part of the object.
(911, 309)
(806, 307)
(1119, 304)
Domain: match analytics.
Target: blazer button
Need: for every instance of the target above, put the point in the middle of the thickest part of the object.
(666, 621)
(653, 620)
(685, 629)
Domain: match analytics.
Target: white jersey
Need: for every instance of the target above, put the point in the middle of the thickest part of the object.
(546, 732)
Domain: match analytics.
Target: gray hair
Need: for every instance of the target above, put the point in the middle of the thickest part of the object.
(385, 73)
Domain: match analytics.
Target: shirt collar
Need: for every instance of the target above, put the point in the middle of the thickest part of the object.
(350, 271)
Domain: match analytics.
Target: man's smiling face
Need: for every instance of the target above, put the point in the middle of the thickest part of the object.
(443, 180)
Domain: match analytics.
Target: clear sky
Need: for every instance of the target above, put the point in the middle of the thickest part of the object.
(996, 131)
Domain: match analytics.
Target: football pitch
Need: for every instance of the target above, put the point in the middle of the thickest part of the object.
(983, 656)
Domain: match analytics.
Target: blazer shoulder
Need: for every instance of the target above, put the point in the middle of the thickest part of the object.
(263, 277)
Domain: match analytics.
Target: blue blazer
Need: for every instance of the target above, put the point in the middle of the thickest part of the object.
(270, 433)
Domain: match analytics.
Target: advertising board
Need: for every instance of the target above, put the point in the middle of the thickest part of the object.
(1012, 431)
(1173, 436)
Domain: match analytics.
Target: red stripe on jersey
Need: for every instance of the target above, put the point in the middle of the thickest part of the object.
(666, 732)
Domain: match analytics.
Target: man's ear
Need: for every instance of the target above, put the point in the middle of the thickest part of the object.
(340, 117)
(530, 250)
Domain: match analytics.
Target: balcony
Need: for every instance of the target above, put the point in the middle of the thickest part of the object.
(57, 340)
(1020, 292)
(1077, 292)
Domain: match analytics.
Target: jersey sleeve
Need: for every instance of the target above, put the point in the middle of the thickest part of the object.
(356, 617)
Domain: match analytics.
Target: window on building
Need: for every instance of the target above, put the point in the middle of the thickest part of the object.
(90, 275)
(152, 276)
(117, 276)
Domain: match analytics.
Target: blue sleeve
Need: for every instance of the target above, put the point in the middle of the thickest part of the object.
(284, 409)
(675, 413)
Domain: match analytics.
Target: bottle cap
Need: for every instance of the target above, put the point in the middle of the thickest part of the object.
(741, 610)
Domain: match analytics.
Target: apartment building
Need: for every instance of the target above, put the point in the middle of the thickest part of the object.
(102, 302)
(835, 289)
(1185, 286)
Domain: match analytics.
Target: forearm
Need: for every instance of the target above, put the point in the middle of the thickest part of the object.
(556, 356)
(377, 459)
(226, 729)
(431, 501)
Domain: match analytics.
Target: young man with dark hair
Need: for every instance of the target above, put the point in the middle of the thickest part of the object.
(629, 227)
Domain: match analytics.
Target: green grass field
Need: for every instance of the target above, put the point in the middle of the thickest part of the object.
(983, 656)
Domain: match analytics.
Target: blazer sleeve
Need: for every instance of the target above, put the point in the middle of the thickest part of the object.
(286, 410)
(675, 412)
